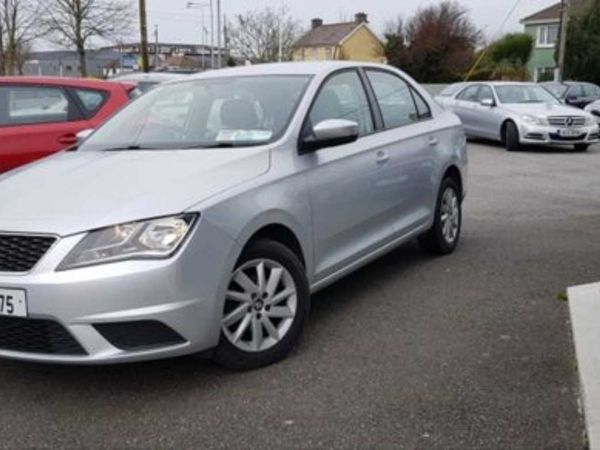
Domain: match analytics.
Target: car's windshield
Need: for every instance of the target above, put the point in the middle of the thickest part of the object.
(523, 93)
(558, 90)
(204, 113)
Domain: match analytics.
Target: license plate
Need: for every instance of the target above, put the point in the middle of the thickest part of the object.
(569, 132)
(13, 303)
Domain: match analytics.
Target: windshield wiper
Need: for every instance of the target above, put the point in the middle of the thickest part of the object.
(227, 144)
(126, 147)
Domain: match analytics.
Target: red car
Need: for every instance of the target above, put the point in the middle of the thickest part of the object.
(42, 115)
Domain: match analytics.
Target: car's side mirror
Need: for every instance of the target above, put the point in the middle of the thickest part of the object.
(572, 99)
(329, 133)
(83, 135)
(489, 102)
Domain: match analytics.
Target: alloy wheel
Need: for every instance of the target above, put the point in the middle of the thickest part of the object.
(450, 215)
(260, 305)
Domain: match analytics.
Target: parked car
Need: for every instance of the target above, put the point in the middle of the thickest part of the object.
(146, 81)
(594, 109)
(574, 93)
(41, 115)
(520, 113)
(165, 235)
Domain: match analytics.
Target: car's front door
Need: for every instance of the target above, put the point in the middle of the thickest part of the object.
(486, 120)
(348, 195)
(36, 121)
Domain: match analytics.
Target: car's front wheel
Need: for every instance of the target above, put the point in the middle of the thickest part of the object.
(442, 238)
(266, 306)
(511, 137)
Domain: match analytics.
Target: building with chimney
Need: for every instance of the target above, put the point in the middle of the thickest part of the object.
(339, 41)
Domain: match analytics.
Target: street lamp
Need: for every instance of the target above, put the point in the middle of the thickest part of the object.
(198, 5)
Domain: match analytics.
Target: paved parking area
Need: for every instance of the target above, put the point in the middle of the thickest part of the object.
(463, 352)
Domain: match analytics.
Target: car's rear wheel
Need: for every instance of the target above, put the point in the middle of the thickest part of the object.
(266, 306)
(511, 137)
(581, 147)
(442, 238)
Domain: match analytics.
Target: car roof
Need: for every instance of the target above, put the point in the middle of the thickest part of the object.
(67, 81)
(287, 68)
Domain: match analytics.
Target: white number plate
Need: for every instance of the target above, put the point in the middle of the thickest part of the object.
(570, 132)
(13, 303)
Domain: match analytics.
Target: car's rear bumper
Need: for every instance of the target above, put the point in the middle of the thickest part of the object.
(121, 312)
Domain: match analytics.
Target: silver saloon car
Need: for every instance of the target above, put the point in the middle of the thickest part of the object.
(200, 218)
(519, 114)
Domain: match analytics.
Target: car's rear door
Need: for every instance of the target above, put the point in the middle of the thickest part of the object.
(35, 121)
(407, 137)
(465, 108)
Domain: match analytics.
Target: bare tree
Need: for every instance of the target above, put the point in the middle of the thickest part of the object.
(256, 35)
(75, 23)
(17, 29)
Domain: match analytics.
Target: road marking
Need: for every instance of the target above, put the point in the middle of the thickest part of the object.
(584, 306)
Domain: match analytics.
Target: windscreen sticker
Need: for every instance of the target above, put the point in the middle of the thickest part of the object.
(244, 135)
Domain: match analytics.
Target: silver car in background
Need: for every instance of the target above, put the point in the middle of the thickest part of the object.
(519, 114)
(594, 110)
(202, 216)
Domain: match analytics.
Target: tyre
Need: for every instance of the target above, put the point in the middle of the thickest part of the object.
(511, 137)
(581, 147)
(442, 238)
(266, 306)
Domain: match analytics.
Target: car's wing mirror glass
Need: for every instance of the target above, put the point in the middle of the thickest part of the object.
(329, 133)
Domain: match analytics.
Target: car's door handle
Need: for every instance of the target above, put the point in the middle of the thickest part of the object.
(433, 141)
(382, 157)
(68, 139)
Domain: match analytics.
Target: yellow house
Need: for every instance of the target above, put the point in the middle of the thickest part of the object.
(343, 41)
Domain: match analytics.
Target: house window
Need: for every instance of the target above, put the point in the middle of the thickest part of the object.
(547, 35)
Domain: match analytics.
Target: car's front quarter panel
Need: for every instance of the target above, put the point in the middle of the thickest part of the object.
(179, 291)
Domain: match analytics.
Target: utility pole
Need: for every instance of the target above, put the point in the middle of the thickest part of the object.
(144, 37)
(562, 45)
(219, 55)
(156, 59)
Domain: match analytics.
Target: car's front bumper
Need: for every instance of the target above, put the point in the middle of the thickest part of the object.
(183, 293)
(531, 134)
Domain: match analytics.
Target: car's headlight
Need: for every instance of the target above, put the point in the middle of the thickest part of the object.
(533, 119)
(148, 239)
(590, 120)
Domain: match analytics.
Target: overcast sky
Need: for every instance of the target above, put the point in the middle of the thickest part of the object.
(180, 25)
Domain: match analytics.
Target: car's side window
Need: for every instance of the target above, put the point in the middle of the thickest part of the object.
(469, 94)
(395, 99)
(343, 97)
(485, 93)
(422, 107)
(91, 100)
(575, 91)
(590, 90)
(35, 105)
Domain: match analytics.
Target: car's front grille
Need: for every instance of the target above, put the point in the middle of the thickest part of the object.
(37, 336)
(20, 253)
(566, 121)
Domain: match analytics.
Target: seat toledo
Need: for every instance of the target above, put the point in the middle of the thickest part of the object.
(201, 217)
